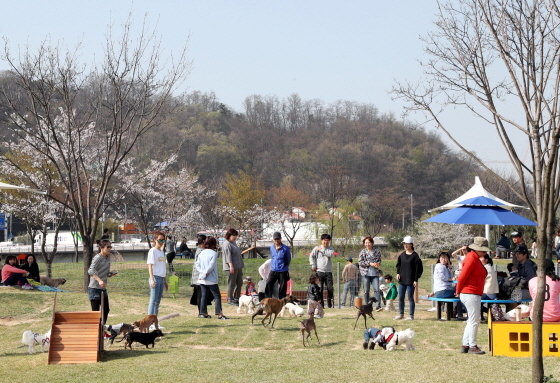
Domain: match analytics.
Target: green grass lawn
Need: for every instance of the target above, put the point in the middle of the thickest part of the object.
(208, 350)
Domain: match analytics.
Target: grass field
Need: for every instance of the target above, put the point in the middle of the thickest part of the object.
(208, 350)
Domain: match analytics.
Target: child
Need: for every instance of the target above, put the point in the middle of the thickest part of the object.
(250, 286)
(314, 298)
(391, 293)
(512, 270)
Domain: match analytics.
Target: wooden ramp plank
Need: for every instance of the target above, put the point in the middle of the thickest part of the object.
(76, 337)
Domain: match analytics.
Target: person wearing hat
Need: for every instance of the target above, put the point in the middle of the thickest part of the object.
(249, 286)
(280, 257)
(519, 242)
(526, 269)
(551, 310)
(470, 287)
(409, 271)
(350, 278)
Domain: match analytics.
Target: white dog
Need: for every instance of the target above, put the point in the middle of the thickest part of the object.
(246, 304)
(399, 338)
(30, 339)
(294, 309)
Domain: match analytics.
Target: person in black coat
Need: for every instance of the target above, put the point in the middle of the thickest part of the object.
(31, 267)
(409, 270)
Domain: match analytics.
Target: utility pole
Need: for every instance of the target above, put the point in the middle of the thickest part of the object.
(411, 212)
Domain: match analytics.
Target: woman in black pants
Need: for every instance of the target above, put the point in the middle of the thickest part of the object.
(100, 271)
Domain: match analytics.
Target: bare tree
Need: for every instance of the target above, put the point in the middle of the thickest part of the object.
(86, 122)
(486, 56)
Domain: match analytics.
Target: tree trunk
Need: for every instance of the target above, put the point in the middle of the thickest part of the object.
(87, 244)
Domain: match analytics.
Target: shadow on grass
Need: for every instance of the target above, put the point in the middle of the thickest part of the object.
(116, 354)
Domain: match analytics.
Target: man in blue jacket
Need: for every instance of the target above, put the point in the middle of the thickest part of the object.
(280, 261)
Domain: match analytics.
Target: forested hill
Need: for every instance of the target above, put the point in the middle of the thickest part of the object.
(344, 149)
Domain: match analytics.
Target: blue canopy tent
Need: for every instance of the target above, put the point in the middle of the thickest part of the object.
(481, 215)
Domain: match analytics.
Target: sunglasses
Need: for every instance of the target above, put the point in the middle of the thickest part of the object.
(161, 240)
(108, 247)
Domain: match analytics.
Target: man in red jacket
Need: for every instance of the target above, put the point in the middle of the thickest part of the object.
(470, 287)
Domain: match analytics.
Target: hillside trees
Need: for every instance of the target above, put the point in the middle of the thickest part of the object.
(86, 121)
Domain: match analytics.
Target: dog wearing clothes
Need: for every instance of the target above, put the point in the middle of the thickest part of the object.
(376, 336)
(400, 338)
(30, 339)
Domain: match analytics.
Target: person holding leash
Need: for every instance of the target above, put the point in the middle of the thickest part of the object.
(99, 271)
(321, 263)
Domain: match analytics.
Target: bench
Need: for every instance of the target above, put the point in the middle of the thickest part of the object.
(510, 338)
(449, 304)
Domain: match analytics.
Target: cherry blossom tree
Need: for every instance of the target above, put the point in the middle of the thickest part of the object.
(85, 121)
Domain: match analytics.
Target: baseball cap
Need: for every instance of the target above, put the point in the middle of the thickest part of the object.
(276, 235)
(349, 259)
(521, 248)
(516, 234)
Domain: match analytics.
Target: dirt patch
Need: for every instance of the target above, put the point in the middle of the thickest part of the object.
(13, 321)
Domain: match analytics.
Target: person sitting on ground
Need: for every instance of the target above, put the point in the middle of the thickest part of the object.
(12, 276)
(551, 310)
(32, 268)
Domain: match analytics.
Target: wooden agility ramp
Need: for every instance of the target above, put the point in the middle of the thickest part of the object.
(76, 336)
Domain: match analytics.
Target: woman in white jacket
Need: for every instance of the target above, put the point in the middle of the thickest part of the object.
(490, 283)
(207, 267)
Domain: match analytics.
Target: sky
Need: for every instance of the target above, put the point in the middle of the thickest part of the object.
(327, 50)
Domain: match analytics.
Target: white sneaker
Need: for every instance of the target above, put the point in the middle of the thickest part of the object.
(432, 309)
(409, 318)
(379, 309)
(317, 317)
(27, 286)
(398, 317)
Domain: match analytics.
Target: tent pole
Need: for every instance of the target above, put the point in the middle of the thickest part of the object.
(487, 232)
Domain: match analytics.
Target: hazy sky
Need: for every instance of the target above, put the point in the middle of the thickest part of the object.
(328, 50)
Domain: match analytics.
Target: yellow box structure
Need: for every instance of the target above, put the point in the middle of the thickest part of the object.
(516, 338)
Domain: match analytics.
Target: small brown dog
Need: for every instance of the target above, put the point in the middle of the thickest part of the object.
(271, 306)
(365, 310)
(145, 323)
(307, 325)
(52, 282)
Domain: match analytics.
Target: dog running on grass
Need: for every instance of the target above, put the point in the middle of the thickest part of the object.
(307, 325)
(30, 339)
(145, 339)
(365, 310)
(270, 306)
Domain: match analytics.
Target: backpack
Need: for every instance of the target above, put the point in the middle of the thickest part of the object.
(512, 288)
(496, 312)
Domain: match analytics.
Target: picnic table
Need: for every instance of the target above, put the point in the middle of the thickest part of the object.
(449, 304)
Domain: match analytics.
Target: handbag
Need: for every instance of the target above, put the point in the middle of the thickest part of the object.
(497, 313)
